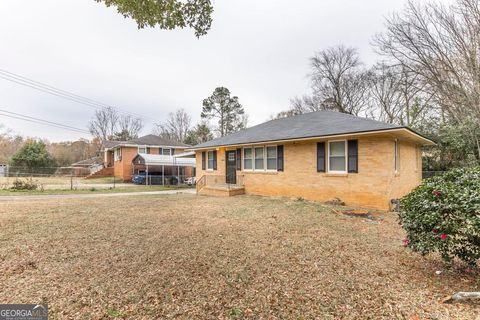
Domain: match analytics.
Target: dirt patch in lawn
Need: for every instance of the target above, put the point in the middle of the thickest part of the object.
(189, 257)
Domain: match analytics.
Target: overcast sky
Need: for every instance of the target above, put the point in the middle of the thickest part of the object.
(257, 49)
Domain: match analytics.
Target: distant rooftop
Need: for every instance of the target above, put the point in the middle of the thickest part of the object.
(88, 162)
(148, 140)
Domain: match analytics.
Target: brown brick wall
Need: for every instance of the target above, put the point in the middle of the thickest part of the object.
(373, 186)
(123, 168)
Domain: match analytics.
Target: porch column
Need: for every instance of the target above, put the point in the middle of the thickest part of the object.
(146, 175)
(163, 175)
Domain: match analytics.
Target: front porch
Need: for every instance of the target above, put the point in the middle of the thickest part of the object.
(220, 185)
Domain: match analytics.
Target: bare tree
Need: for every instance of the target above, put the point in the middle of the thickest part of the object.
(396, 95)
(440, 44)
(338, 81)
(386, 97)
(108, 124)
(176, 127)
(9, 143)
(103, 124)
(128, 127)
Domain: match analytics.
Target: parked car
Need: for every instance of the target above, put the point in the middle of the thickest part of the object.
(191, 181)
(154, 178)
(139, 178)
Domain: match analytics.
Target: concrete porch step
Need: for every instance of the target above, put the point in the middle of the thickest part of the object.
(222, 190)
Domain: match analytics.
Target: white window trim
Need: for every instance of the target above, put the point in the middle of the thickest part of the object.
(255, 159)
(243, 159)
(265, 158)
(345, 154)
(117, 156)
(142, 147)
(170, 149)
(210, 169)
(276, 158)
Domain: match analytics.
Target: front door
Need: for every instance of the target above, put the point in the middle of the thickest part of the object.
(231, 167)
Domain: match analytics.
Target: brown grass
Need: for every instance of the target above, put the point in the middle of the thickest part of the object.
(189, 257)
(59, 180)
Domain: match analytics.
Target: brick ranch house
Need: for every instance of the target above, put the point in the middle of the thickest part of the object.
(149, 154)
(318, 156)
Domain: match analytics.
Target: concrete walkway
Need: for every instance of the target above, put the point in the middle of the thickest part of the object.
(97, 195)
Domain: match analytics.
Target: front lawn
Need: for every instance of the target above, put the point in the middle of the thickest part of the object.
(197, 257)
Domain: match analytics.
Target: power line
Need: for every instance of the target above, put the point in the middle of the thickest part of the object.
(23, 117)
(16, 78)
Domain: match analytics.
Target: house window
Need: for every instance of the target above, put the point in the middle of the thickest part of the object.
(117, 155)
(142, 150)
(272, 158)
(166, 151)
(210, 160)
(397, 156)
(247, 159)
(337, 158)
(259, 158)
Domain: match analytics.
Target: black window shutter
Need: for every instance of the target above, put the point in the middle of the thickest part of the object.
(148, 150)
(320, 156)
(279, 158)
(172, 152)
(203, 160)
(239, 159)
(215, 160)
(353, 156)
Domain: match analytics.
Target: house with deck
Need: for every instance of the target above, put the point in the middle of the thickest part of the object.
(150, 155)
(321, 156)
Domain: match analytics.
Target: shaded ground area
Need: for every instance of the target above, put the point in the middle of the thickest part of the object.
(197, 257)
(100, 194)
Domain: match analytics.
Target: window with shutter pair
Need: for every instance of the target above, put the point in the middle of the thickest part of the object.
(342, 156)
(209, 160)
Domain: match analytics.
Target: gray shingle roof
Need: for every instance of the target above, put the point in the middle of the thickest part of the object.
(313, 124)
(108, 144)
(148, 140)
(153, 140)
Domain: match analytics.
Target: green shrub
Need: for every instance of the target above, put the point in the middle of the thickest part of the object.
(443, 215)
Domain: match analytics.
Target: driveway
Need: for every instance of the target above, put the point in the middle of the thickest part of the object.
(97, 195)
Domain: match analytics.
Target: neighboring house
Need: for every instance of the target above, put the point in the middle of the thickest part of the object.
(163, 158)
(319, 156)
(87, 166)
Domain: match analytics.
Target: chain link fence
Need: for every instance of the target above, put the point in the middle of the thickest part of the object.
(54, 178)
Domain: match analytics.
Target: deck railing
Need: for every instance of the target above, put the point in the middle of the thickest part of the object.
(200, 183)
(219, 181)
